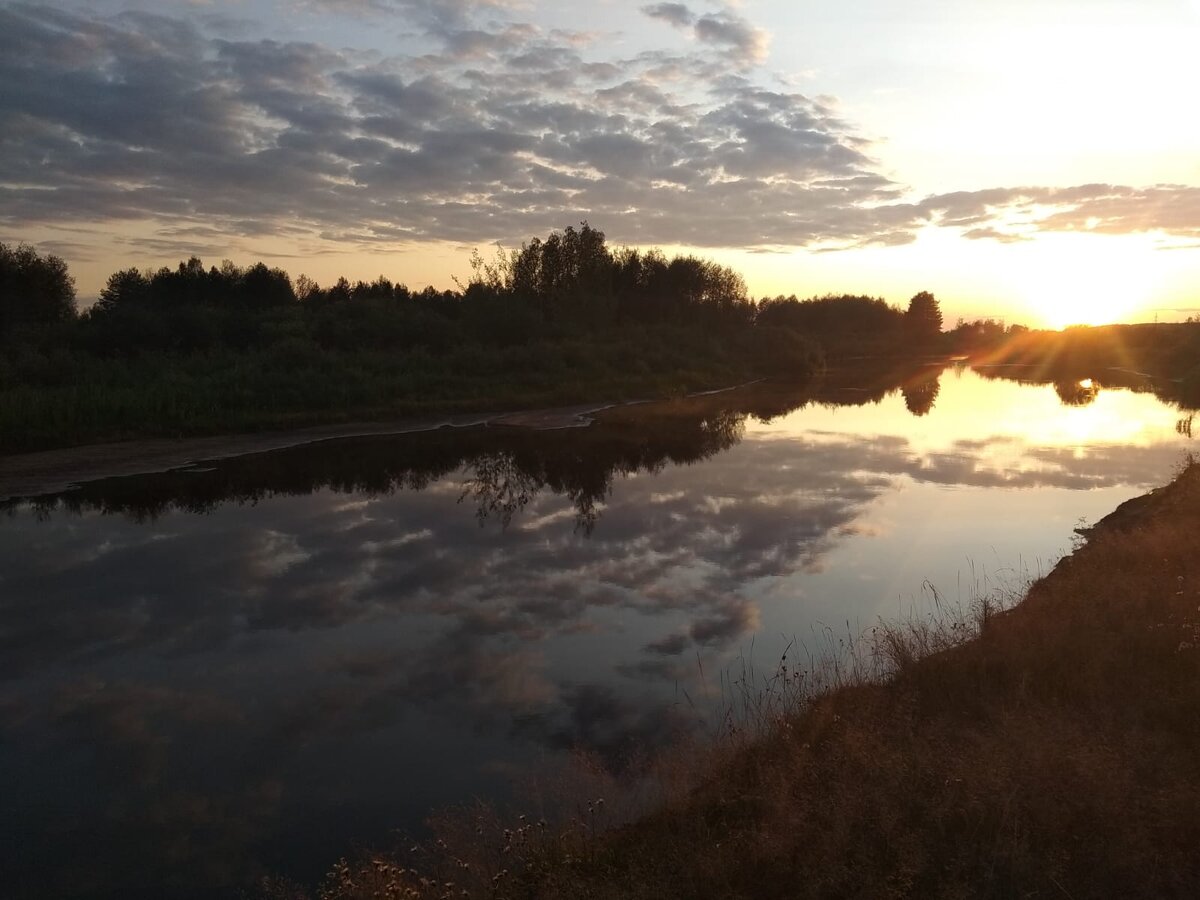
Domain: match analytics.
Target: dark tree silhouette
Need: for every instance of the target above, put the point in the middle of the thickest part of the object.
(35, 290)
(980, 334)
(129, 287)
(261, 288)
(831, 315)
(923, 321)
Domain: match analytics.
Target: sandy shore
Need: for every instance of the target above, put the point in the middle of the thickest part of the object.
(50, 471)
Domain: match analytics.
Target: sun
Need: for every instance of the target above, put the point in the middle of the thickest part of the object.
(1086, 280)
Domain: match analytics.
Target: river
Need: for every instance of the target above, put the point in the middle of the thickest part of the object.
(258, 664)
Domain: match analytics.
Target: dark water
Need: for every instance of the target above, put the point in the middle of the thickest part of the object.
(257, 664)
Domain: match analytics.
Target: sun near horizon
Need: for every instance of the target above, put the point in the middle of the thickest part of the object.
(1034, 164)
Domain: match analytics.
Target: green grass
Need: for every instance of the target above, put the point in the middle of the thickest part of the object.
(59, 399)
(1047, 750)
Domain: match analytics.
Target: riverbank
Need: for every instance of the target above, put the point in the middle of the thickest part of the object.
(1052, 749)
(51, 471)
(45, 471)
(56, 400)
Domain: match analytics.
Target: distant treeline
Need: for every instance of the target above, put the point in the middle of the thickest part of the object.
(1163, 358)
(849, 325)
(569, 283)
(561, 319)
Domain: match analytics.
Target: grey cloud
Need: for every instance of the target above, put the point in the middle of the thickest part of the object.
(676, 14)
(725, 29)
(435, 15)
(1009, 214)
(145, 117)
(507, 133)
(476, 43)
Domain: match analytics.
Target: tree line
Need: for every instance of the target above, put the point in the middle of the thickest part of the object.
(198, 349)
(571, 282)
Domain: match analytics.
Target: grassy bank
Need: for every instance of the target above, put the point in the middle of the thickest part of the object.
(56, 400)
(1051, 750)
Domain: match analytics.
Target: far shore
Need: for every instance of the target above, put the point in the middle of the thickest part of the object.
(50, 471)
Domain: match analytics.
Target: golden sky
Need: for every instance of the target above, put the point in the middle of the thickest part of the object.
(1034, 161)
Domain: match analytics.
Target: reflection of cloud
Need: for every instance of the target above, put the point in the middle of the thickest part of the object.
(737, 617)
(671, 645)
(612, 725)
(190, 584)
(334, 623)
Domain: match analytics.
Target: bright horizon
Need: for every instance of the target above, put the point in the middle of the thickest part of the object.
(1035, 162)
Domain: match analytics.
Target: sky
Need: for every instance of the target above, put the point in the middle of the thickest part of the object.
(1031, 160)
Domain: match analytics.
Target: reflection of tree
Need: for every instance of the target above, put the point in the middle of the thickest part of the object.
(1148, 357)
(1076, 393)
(498, 486)
(503, 469)
(920, 394)
(1184, 425)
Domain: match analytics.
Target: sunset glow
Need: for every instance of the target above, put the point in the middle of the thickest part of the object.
(1087, 281)
(1046, 151)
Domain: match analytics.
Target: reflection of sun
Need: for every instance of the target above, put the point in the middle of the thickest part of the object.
(1086, 280)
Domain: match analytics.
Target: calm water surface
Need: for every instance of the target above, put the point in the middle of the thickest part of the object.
(257, 664)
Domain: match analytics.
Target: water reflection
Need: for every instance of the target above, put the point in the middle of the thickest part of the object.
(212, 671)
(920, 394)
(1077, 393)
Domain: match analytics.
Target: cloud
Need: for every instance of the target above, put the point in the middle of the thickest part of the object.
(475, 127)
(1013, 214)
(437, 15)
(676, 14)
(745, 44)
(978, 234)
(504, 132)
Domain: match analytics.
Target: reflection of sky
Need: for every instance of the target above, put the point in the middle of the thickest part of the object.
(971, 409)
(185, 695)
